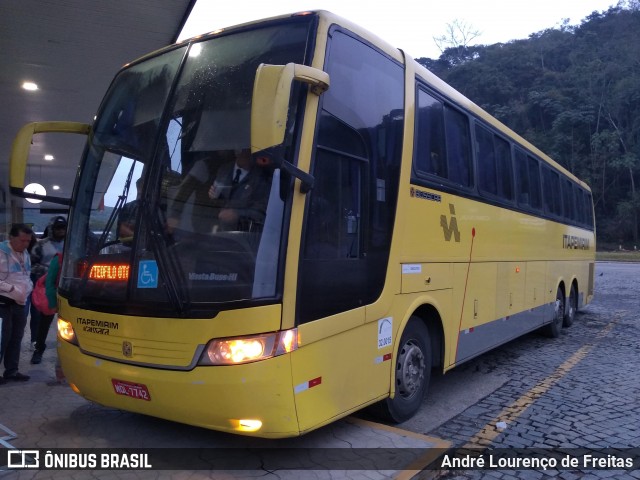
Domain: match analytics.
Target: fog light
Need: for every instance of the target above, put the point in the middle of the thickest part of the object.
(249, 425)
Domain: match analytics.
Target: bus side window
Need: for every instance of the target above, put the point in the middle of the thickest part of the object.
(589, 207)
(552, 191)
(580, 214)
(568, 200)
(522, 179)
(487, 172)
(534, 182)
(458, 143)
(430, 149)
(504, 168)
(443, 141)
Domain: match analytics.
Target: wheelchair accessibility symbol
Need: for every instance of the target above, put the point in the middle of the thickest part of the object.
(148, 274)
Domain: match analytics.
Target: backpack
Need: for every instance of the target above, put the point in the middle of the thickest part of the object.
(39, 294)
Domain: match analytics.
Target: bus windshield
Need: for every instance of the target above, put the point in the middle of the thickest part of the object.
(172, 213)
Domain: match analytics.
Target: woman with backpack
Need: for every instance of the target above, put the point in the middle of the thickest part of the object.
(42, 256)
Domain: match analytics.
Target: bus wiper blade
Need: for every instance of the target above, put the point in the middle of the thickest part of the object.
(171, 269)
(116, 211)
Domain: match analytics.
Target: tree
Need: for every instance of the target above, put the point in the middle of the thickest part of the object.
(574, 92)
(459, 34)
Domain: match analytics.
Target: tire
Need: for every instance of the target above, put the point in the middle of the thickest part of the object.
(412, 374)
(572, 308)
(553, 329)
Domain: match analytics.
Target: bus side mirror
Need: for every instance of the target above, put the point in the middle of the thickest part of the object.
(271, 97)
(20, 154)
(270, 111)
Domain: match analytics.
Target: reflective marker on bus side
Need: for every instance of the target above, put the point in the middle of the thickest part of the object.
(307, 385)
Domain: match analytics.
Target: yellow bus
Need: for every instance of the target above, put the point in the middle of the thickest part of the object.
(378, 225)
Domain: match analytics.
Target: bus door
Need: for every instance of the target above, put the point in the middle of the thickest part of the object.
(333, 371)
(347, 232)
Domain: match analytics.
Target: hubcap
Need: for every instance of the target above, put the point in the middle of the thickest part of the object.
(411, 367)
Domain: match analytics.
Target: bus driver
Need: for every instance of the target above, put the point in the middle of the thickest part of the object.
(241, 192)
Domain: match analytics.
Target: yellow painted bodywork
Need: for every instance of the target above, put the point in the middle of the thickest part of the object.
(352, 368)
(505, 262)
(214, 397)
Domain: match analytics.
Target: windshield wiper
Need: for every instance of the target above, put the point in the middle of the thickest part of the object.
(170, 270)
(116, 211)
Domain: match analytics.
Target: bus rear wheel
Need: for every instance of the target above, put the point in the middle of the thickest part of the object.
(553, 329)
(412, 374)
(572, 308)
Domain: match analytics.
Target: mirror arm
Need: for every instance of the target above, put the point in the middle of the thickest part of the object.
(274, 156)
(20, 155)
(317, 80)
(307, 180)
(44, 198)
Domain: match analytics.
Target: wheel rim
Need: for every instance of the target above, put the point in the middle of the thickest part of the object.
(411, 369)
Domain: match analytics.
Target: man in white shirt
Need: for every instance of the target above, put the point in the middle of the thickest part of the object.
(15, 287)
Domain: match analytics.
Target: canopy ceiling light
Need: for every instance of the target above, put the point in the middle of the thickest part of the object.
(37, 189)
(30, 86)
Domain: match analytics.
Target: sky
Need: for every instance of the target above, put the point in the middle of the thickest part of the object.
(409, 24)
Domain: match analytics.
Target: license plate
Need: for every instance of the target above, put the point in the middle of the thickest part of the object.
(129, 389)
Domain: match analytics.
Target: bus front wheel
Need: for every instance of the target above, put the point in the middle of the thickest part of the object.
(412, 373)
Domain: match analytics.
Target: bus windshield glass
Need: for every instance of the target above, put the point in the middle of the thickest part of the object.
(172, 213)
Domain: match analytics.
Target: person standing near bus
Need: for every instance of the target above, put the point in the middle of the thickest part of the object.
(33, 323)
(41, 256)
(15, 287)
(51, 291)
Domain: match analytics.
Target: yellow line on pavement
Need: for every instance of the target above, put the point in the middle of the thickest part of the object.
(433, 446)
(490, 431)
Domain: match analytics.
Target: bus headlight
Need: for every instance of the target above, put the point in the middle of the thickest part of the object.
(66, 332)
(233, 351)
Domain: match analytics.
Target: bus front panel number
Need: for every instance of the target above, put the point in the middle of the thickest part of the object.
(384, 332)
